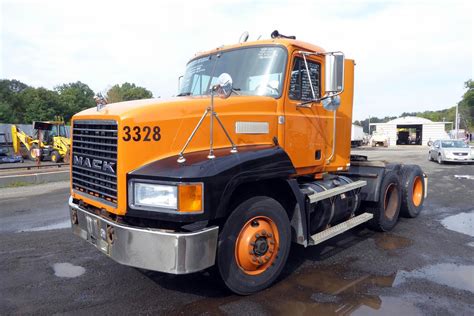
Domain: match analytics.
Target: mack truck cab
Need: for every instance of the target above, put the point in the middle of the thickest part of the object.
(252, 155)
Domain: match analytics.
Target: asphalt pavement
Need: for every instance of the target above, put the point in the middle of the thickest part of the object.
(425, 266)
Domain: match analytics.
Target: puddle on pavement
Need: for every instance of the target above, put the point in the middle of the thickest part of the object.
(462, 223)
(464, 176)
(390, 306)
(391, 242)
(67, 270)
(60, 225)
(317, 290)
(450, 274)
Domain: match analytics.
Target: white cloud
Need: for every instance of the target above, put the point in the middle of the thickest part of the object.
(411, 55)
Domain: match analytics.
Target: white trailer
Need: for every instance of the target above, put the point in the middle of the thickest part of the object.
(357, 135)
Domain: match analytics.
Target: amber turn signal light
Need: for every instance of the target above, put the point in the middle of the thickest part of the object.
(190, 198)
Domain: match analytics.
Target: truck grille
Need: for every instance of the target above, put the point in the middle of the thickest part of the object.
(94, 159)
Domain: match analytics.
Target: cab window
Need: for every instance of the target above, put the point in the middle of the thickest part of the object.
(300, 88)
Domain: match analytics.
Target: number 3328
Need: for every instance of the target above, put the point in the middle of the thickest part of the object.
(145, 133)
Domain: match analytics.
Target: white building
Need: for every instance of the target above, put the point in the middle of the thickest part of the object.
(420, 129)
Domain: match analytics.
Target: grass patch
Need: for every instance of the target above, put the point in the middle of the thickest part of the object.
(17, 184)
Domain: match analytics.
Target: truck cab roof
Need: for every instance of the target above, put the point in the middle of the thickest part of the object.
(288, 43)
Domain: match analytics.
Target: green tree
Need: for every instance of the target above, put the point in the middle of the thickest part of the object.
(40, 104)
(73, 98)
(466, 106)
(11, 105)
(6, 113)
(127, 92)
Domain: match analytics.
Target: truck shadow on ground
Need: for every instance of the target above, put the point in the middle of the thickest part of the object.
(208, 283)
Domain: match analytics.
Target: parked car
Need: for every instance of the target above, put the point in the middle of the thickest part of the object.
(451, 150)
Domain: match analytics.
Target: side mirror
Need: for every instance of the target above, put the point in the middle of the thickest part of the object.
(334, 73)
(224, 86)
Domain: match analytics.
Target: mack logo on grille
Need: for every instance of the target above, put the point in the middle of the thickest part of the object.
(96, 164)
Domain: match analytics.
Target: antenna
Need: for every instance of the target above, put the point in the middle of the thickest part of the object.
(244, 37)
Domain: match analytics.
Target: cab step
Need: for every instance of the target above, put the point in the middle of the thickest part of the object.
(339, 228)
(319, 196)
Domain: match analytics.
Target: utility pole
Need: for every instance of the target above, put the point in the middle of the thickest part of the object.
(457, 121)
(369, 124)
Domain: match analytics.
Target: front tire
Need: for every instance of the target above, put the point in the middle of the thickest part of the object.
(254, 245)
(55, 156)
(440, 159)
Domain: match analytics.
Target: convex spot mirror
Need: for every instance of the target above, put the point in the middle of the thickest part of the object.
(224, 85)
(331, 103)
(334, 73)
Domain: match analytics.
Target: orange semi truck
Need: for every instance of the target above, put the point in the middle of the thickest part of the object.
(251, 155)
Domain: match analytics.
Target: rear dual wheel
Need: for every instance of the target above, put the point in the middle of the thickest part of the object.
(254, 245)
(387, 209)
(413, 190)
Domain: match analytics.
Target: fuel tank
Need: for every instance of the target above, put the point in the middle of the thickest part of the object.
(331, 211)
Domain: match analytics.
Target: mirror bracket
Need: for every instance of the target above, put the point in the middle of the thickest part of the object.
(223, 89)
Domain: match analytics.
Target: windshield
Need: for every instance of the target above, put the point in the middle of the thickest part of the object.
(254, 71)
(453, 144)
(63, 131)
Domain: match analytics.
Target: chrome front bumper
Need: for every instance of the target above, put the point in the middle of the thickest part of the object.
(459, 159)
(146, 248)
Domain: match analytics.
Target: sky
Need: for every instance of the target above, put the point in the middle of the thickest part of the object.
(410, 55)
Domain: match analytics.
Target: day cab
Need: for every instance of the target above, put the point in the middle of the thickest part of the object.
(251, 155)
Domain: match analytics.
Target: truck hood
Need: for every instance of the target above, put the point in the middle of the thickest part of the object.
(169, 108)
(177, 117)
(154, 129)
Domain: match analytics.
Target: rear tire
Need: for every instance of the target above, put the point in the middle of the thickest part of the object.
(413, 191)
(32, 153)
(254, 245)
(387, 209)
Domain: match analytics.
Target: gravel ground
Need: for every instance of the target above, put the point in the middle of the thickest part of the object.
(425, 266)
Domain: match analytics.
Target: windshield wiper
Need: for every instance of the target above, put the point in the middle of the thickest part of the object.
(183, 94)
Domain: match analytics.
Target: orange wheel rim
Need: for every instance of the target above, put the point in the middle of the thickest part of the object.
(417, 194)
(257, 245)
(391, 201)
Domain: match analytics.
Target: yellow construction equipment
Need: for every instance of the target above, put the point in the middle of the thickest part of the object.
(50, 137)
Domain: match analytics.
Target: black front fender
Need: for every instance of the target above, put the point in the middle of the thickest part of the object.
(220, 176)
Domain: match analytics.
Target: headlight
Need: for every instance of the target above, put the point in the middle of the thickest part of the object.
(180, 198)
(155, 195)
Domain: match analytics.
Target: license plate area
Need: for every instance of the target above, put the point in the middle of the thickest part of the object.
(92, 229)
(96, 234)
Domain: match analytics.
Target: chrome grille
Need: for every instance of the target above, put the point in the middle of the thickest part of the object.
(94, 159)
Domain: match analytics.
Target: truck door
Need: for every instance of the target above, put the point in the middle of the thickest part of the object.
(305, 127)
